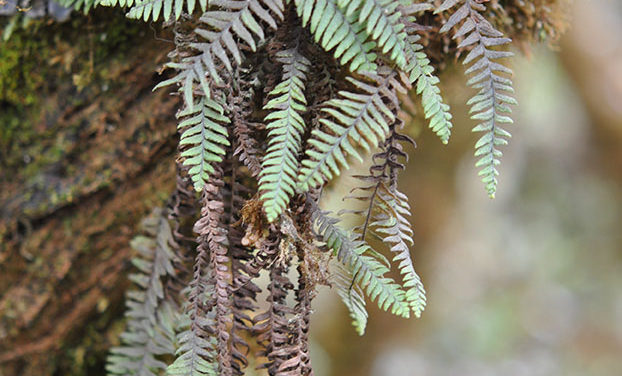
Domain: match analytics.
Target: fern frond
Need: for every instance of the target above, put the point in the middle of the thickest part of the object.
(332, 29)
(150, 328)
(273, 326)
(197, 349)
(361, 117)
(286, 126)
(421, 71)
(351, 295)
(382, 23)
(203, 139)
(494, 96)
(386, 212)
(392, 222)
(366, 265)
(200, 343)
(304, 294)
(247, 144)
(236, 19)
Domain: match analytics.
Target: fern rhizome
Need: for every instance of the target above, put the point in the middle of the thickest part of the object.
(275, 100)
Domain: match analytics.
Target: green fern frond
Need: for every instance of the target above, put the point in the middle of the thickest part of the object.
(203, 139)
(286, 126)
(237, 19)
(382, 23)
(494, 96)
(367, 266)
(332, 29)
(421, 72)
(362, 118)
(150, 328)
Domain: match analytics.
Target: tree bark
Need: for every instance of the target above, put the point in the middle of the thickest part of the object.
(87, 151)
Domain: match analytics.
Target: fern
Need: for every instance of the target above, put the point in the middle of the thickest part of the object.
(385, 215)
(194, 352)
(394, 228)
(360, 117)
(248, 92)
(382, 23)
(351, 295)
(421, 72)
(332, 29)
(237, 18)
(150, 326)
(150, 10)
(199, 342)
(202, 139)
(367, 267)
(286, 126)
(493, 98)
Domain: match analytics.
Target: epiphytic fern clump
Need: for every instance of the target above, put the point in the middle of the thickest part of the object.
(276, 98)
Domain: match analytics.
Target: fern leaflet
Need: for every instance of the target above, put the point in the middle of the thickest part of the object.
(392, 222)
(197, 349)
(286, 126)
(494, 95)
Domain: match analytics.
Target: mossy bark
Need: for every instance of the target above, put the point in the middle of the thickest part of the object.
(86, 151)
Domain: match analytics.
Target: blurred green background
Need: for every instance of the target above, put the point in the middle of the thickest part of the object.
(529, 283)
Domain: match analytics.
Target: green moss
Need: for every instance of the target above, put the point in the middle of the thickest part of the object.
(21, 70)
(41, 57)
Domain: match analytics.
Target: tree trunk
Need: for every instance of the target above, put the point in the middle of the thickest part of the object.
(86, 151)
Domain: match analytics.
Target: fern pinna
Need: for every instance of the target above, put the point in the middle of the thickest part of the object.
(276, 98)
